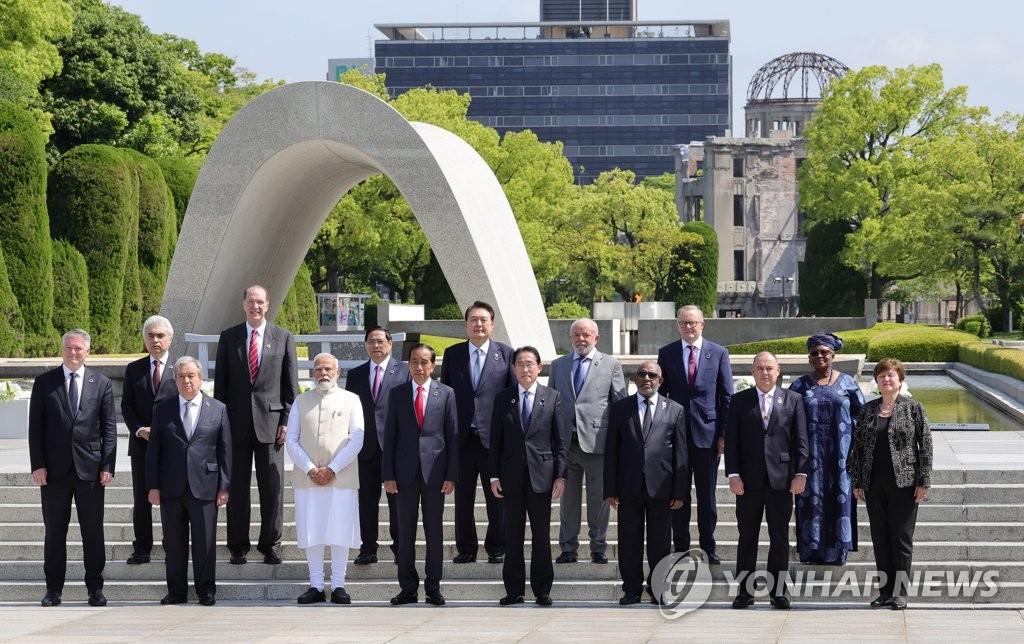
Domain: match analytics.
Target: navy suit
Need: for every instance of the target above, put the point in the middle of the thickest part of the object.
(766, 460)
(420, 460)
(189, 472)
(256, 410)
(645, 476)
(527, 464)
(707, 404)
(137, 401)
(475, 407)
(375, 414)
(74, 447)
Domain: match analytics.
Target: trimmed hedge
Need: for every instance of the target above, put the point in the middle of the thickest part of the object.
(158, 230)
(298, 311)
(25, 227)
(991, 357)
(71, 287)
(557, 311)
(92, 205)
(701, 288)
(976, 324)
(180, 176)
(12, 327)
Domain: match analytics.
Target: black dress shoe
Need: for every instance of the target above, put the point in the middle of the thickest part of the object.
(780, 601)
(898, 603)
(462, 557)
(312, 596)
(654, 599)
(51, 598)
(598, 558)
(172, 599)
(496, 558)
(508, 600)
(339, 596)
(207, 600)
(404, 597)
(435, 599)
(365, 560)
(238, 557)
(567, 557)
(272, 557)
(96, 598)
(881, 601)
(544, 600)
(138, 558)
(629, 598)
(714, 559)
(742, 601)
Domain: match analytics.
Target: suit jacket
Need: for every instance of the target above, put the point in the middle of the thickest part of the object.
(262, 405)
(707, 402)
(375, 413)
(202, 462)
(477, 404)
(630, 463)
(82, 444)
(540, 451)
(910, 444)
(780, 452)
(587, 414)
(137, 398)
(432, 449)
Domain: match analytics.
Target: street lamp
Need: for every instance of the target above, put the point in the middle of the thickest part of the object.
(783, 281)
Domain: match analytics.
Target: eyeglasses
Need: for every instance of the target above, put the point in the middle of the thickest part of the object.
(647, 375)
(690, 323)
(822, 354)
(526, 365)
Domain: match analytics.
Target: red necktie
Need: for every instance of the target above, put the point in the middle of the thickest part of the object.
(691, 367)
(419, 405)
(376, 382)
(254, 357)
(156, 376)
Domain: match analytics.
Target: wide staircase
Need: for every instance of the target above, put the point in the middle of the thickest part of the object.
(970, 535)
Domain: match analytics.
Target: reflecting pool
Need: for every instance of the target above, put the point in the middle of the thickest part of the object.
(948, 402)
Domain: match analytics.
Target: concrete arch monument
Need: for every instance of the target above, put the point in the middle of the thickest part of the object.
(287, 157)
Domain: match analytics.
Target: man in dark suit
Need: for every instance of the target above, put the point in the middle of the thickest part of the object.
(72, 444)
(696, 374)
(421, 466)
(644, 476)
(257, 378)
(477, 370)
(588, 382)
(188, 471)
(147, 381)
(766, 461)
(527, 464)
(372, 381)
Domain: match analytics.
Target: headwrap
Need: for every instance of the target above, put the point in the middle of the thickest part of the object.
(829, 340)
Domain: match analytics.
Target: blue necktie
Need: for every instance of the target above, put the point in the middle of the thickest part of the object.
(73, 394)
(578, 376)
(477, 367)
(526, 411)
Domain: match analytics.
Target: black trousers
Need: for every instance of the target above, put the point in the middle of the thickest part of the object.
(370, 486)
(776, 507)
(412, 497)
(142, 511)
(536, 506)
(180, 517)
(269, 459)
(56, 498)
(892, 512)
(634, 515)
(702, 472)
(473, 466)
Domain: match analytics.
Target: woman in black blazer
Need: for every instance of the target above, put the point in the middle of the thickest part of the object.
(890, 469)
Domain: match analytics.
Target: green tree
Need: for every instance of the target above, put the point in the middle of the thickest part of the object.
(863, 162)
(828, 287)
(694, 270)
(298, 311)
(180, 175)
(27, 51)
(157, 232)
(12, 326)
(71, 287)
(25, 227)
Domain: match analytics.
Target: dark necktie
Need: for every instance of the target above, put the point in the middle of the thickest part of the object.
(254, 357)
(73, 394)
(691, 367)
(376, 382)
(526, 411)
(647, 419)
(578, 375)
(156, 376)
(420, 403)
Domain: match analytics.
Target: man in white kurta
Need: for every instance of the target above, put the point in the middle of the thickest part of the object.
(325, 433)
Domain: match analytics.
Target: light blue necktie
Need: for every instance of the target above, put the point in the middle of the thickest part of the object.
(478, 362)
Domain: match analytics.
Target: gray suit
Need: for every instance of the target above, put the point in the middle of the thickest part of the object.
(587, 416)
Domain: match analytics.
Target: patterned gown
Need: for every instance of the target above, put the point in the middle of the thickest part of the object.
(825, 521)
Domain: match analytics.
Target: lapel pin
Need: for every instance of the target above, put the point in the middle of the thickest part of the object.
(513, 401)
(91, 380)
(778, 400)
(663, 404)
(267, 346)
(707, 356)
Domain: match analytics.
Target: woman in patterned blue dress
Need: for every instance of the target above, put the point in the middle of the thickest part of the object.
(825, 519)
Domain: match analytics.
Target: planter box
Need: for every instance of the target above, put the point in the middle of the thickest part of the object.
(14, 418)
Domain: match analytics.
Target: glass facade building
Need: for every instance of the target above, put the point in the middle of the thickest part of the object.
(616, 94)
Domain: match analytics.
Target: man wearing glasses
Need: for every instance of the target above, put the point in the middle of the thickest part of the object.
(697, 375)
(372, 381)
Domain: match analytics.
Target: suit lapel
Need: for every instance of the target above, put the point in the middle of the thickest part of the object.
(243, 347)
(62, 390)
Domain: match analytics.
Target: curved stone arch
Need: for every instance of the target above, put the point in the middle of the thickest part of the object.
(287, 157)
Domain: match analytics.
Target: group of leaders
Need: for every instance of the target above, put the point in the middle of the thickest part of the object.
(487, 419)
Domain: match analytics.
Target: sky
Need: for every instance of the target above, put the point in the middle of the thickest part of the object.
(978, 44)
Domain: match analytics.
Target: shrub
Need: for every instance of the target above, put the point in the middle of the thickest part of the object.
(180, 176)
(566, 311)
(448, 311)
(700, 288)
(25, 227)
(976, 324)
(916, 343)
(70, 287)
(991, 357)
(12, 327)
(827, 286)
(298, 311)
(158, 229)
